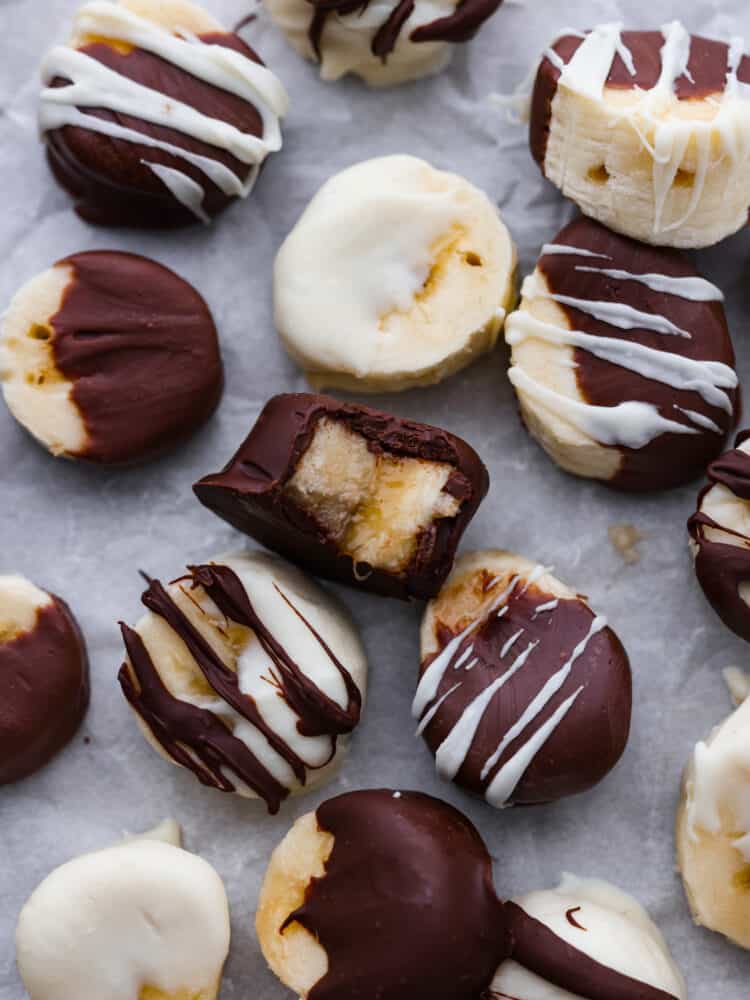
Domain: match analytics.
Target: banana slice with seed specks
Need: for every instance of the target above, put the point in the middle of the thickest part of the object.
(143, 920)
(413, 284)
(713, 829)
(647, 131)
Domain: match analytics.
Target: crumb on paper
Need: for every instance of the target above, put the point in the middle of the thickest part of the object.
(626, 538)
(738, 683)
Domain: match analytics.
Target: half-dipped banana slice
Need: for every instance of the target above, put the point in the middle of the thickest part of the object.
(647, 131)
(396, 275)
(622, 361)
(713, 829)
(143, 920)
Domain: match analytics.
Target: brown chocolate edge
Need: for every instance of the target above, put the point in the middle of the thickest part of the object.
(248, 492)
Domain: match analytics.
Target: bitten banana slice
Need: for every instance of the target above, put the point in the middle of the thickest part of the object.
(647, 131)
(396, 275)
(143, 920)
(384, 43)
(622, 360)
(713, 829)
(586, 938)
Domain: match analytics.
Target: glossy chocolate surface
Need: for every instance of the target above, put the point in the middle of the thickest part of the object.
(140, 348)
(44, 691)
(406, 909)
(107, 177)
(670, 459)
(593, 734)
(722, 568)
(249, 491)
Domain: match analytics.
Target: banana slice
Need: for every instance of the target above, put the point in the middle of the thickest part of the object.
(647, 131)
(713, 829)
(417, 275)
(384, 43)
(584, 939)
(143, 920)
(622, 361)
(248, 674)
(720, 537)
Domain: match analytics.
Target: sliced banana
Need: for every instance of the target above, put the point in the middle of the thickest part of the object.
(143, 920)
(647, 131)
(413, 284)
(713, 829)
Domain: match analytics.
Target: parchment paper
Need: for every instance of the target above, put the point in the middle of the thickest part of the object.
(83, 532)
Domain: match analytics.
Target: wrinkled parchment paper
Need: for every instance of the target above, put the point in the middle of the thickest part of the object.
(83, 532)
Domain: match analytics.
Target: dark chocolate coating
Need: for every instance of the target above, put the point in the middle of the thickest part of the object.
(106, 176)
(249, 491)
(541, 951)
(589, 740)
(178, 725)
(707, 67)
(406, 909)
(669, 459)
(722, 568)
(140, 348)
(460, 26)
(44, 691)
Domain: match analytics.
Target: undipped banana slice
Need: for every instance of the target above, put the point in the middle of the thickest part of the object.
(647, 131)
(396, 275)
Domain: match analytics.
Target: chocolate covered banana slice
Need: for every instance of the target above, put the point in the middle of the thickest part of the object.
(417, 276)
(622, 361)
(647, 131)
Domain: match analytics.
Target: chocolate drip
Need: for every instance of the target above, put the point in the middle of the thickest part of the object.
(108, 177)
(542, 952)
(44, 691)
(176, 723)
(140, 348)
(406, 908)
(669, 459)
(707, 75)
(249, 492)
(460, 26)
(589, 740)
(722, 568)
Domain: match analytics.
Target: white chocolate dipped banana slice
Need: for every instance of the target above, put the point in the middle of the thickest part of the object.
(647, 131)
(143, 920)
(396, 275)
(622, 361)
(713, 829)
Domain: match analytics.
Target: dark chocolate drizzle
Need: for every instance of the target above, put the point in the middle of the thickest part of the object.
(589, 740)
(44, 691)
(670, 459)
(541, 951)
(107, 176)
(720, 567)
(406, 908)
(140, 348)
(707, 69)
(249, 492)
(460, 26)
(176, 724)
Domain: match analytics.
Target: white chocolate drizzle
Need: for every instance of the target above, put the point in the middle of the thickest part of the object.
(666, 138)
(94, 85)
(693, 289)
(507, 646)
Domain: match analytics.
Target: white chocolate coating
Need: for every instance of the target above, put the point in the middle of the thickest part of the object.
(618, 934)
(346, 43)
(665, 171)
(146, 26)
(143, 920)
(35, 390)
(713, 829)
(414, 284)
(279, 594)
